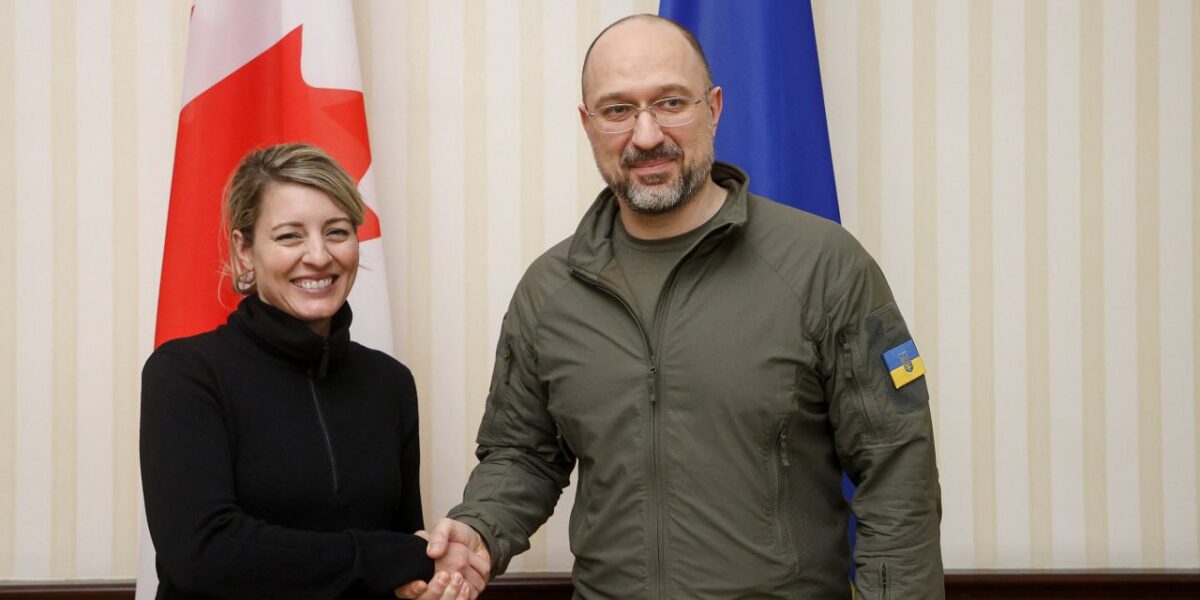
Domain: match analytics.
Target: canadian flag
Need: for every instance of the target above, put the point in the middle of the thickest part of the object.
(261, 73)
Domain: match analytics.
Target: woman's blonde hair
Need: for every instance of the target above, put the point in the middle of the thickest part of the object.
(285, 163)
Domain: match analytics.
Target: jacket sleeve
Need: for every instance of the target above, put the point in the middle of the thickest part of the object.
(205, 544)
(411, 517)
(883, 435)
(522, 466)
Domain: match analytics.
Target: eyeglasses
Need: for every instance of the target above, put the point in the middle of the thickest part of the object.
(672, 111)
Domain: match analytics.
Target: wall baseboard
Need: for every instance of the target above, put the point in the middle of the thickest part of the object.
(960, 585)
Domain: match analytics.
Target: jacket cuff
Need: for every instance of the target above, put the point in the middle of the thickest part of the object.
(385, 560)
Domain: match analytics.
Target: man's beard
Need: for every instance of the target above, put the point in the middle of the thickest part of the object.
(656, 201)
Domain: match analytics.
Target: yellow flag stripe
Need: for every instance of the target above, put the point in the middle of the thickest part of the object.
(902, 377)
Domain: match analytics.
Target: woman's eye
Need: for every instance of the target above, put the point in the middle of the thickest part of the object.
(338, 233)
(287, 237)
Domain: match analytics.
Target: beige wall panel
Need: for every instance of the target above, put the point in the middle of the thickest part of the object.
(1009, 250)
(924, 318)
(955, 454)
(35, 296)
(8, 298)
(126, 274)
(1146, 224)
(980, 136)
(1064, 292)
(1177, 211)
(896, 256)
(1036, 285)
(94, 222)
(446, 251)
(837, 31)
(64, 264)
(1120, 270)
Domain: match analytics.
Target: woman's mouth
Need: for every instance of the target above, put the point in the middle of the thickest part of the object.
(312, 284)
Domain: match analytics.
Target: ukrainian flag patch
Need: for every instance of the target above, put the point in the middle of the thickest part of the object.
(904, 363)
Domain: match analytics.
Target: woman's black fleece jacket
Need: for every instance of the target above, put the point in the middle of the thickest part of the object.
(280, 464)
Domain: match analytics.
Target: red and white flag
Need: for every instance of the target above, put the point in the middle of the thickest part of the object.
(261, 73)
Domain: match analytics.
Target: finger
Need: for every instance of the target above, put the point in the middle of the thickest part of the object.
(411, 589)
(421, 533)
(437, 587)
(481, 565)
(474, 579)
(452, 591)
(466, 593)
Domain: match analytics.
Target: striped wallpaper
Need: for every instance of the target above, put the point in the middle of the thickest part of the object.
(1026, 172)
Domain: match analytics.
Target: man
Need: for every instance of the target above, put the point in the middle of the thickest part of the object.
(712, 361)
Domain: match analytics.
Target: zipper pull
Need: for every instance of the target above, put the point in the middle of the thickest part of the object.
(653, 384)
(324, 361)
(783, 447)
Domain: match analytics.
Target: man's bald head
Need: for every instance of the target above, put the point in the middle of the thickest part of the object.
(648, 19)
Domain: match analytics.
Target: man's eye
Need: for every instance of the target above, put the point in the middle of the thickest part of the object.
(671, 103)
(616, 111)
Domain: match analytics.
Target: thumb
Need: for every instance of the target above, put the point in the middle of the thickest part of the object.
(438, 539)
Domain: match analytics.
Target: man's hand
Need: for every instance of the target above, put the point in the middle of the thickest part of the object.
(449, 531)
(456, 549)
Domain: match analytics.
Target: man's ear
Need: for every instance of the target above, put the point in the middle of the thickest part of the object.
(583, 117)
(716, 101)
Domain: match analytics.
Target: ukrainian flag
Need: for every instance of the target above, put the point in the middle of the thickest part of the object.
(904, 363)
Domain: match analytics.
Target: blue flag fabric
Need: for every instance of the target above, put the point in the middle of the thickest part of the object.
(763, 54)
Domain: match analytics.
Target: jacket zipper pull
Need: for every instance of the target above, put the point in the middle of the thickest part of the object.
(324, 361)
(783, 447)
(653, 384)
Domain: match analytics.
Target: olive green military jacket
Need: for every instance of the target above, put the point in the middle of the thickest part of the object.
(711, 445)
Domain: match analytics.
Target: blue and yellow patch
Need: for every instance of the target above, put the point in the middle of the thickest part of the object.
(904, 363)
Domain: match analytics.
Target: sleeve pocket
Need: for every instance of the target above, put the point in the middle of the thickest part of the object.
(885, 329)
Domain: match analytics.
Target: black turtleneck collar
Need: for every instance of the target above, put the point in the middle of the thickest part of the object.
(291, 338)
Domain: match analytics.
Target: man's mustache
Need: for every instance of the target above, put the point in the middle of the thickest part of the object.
(632, 156)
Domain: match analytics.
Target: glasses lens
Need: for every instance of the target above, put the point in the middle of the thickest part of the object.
(673, 112)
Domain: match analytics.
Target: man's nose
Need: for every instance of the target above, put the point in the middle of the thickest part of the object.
(646, 132)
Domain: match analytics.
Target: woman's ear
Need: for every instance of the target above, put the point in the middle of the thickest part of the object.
(242, 248)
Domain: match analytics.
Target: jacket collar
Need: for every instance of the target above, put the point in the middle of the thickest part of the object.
(591, 247)
(290, 338)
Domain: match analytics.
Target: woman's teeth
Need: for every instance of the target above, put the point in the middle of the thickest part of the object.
(314, 284)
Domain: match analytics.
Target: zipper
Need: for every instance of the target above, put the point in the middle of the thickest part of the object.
(883, 582)
(659, 319)
(325, 431)
(785, 536)
(652, 384)
(852, 374)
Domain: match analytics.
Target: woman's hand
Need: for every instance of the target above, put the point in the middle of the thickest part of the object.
(443, 586)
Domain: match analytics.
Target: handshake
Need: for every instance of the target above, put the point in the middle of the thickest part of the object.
(462, 564)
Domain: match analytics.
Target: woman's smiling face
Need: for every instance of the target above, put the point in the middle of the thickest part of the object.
(304, 253)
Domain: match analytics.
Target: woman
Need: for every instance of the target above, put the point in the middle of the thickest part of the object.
(279, 458)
